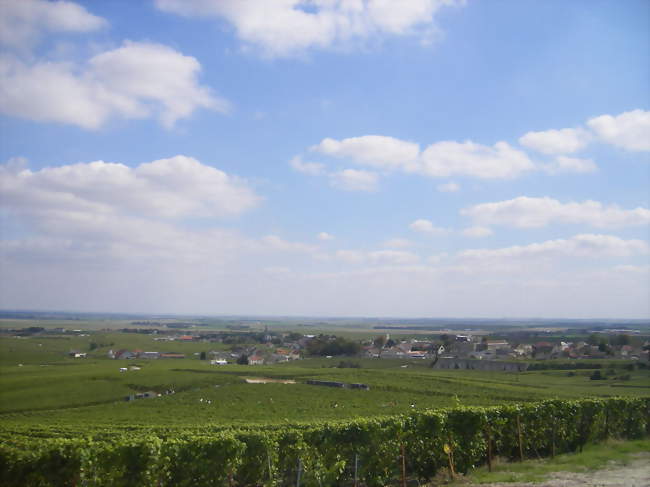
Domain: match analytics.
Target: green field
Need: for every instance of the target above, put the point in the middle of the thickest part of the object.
(43, 386)
(65, 421)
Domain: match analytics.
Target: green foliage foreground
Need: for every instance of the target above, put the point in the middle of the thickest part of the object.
(324, 453)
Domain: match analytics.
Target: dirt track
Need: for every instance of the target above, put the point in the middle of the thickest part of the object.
(635, 474)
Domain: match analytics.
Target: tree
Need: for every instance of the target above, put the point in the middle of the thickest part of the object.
(593, 339)
(203, 356)
(603, 347)
(447, 340)
(242, 359)
(380, 341)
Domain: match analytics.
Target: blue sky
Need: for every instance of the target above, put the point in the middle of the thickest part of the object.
(326, 157)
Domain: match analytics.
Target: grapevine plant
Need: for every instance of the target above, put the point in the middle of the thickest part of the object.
(376, 451)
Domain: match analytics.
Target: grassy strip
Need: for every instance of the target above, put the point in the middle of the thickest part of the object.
(593, 457)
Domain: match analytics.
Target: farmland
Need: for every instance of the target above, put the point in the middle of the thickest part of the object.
(42, 385)
(66, 420)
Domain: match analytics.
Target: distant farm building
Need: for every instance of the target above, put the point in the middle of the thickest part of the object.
(255, 360)
(172, 355)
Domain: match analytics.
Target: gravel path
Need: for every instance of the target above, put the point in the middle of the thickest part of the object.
(635, 474)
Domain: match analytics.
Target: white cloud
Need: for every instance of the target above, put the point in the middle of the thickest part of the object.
(168, 188)
(565, 164)
(563, 141)
(136, 80)
(477, 232)
(527, 212)
(634, 269)
(281, 28)
(372, 150)
(311, 168)
(449, 187)
(275, 242)
(629, 130)
(355, 180)
(350, 256)
(448, 158)
(377, 257)
(398, 243)
(22, 21)
(425, 226)
(585, 245)
(393, 257)
(441, 159)
(325, 236)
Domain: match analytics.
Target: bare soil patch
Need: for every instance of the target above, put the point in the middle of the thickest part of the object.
(266, 380)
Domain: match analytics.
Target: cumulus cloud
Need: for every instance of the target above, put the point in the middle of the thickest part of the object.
(441, 159)
(372, 150)
(325, 236)
(584, 245)
(137, 80)
(94, 218)
(527, 212)
(281, 28)
(477, 232)
(355, 180)
(22, 21)
(311, 168)
(425, 226)
(566, 164)
(500, 161)
(167, 188)
(629, 130)
(563, 141)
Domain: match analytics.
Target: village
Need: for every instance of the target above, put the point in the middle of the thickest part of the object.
(255, 348)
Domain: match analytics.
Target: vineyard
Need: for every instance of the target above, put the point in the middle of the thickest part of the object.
(371, 452)
(65, 421)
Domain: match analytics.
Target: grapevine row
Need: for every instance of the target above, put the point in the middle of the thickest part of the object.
(374, 451)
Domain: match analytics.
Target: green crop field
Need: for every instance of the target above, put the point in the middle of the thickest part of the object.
(41, 386)
(66, 421)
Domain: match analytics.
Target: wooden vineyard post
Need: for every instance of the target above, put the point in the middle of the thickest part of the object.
(521, 447)
(356, 469)
(403, 465)
(299, 473)
(489, 448)
(452, 472)
(230, 484)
